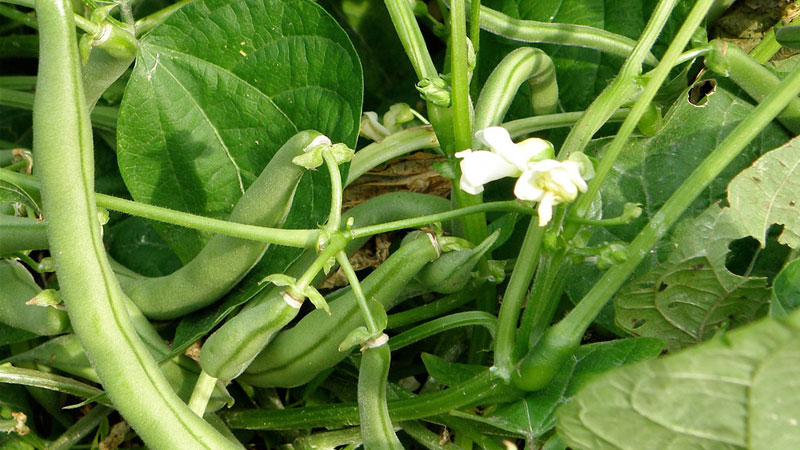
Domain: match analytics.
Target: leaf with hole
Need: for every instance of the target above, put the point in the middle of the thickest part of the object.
(692, 295)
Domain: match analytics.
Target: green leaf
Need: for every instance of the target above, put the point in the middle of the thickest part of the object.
(134, 243)
(13, 193)
(692, 295)
(217, 89)
(786, 290)
(535, 414)
(736, 392)
(449, 373)
(767, 193)
(651, 169)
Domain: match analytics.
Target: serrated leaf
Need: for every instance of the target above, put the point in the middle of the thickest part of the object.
(217, 89)
(768, 193)
(535, 414)
(688, 298)
(735, 392)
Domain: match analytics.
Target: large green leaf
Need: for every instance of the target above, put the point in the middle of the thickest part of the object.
(768, 193)
(217, 89)
(738, 391)
(692, 295)
(786, 290)
(535, 414)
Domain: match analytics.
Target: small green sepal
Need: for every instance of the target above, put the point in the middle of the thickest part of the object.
(48, 298)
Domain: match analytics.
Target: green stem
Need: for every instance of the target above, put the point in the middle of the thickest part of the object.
(513, 299)
(147, 23)
(657, 77)
(34, 378)
(361, 299)
(442, 324)
(769, 46)
(481, 387)
(462, 122)
(397, 144)
(405, 23)
(620, 90)
(81, 428)
(201, 393)
(415, 222)
(558, 33)
(334, 246)
(528, 125)
(568, 332)
(335, 215)
(27, 19)
(102, 116)
(692, 54)
(542, 301)
(279, 236)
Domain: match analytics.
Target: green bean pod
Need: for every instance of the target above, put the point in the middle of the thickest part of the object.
(21, 233)
(230, 349)
(18, 287)
(521, 65)
(376, 426)
(755, 79)
(63, 150)
(225, 260)
(295, 356)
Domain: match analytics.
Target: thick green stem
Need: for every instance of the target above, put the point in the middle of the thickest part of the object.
(513, 299)
(462, 122)
(201, 393)
(562, 338)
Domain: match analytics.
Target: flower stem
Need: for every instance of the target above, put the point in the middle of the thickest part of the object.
(335, 215)
(352, 278)
(513, 299)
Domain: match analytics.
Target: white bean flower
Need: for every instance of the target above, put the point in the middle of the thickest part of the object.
(541, 178)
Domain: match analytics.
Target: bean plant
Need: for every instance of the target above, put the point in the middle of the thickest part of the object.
(188, 192)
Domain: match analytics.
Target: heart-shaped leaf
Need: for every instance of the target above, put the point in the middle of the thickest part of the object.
(217, 89)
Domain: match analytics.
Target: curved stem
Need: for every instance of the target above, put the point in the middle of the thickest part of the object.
(335, 215)
(463, 319)
(397, 144)
(405, 23)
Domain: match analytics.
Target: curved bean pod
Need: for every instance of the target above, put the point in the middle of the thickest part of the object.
(523, 64)
(63, 148)
(225, 260)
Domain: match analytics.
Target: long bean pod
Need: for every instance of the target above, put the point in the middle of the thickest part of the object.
(376, 426)
(64, 152)
(225, 260)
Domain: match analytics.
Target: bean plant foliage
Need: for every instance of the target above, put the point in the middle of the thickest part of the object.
(222, 225)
